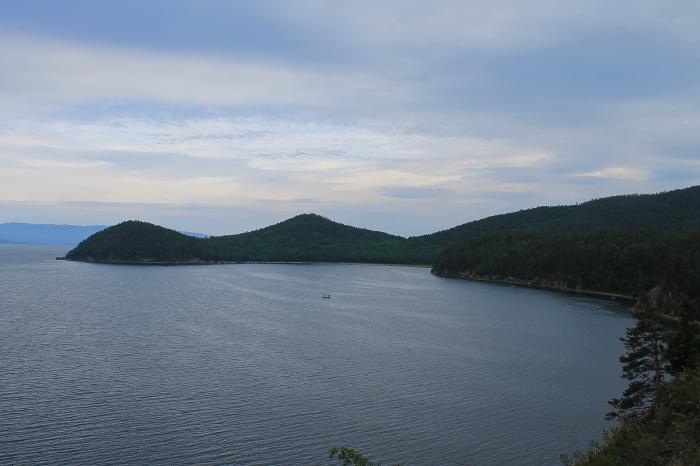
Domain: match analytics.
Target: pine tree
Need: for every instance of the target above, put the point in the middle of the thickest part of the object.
(643, 366)
(349, 457)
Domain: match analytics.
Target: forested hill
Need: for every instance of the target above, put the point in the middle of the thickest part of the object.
(312, 238)
(670, 211)
(661, 270)
(139, 242)
(304, 238)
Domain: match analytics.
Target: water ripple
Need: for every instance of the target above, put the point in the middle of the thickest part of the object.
(247, 365)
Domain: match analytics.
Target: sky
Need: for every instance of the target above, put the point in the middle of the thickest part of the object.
(402, 116)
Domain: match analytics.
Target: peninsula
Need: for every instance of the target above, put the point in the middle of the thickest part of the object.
(641, 247)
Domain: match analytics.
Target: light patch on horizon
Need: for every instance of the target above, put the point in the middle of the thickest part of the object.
(619, 173)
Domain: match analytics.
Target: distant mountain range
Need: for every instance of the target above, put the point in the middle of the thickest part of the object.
(30, 233)
(70, 235)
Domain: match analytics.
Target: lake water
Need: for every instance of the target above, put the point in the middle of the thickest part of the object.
(245, 364)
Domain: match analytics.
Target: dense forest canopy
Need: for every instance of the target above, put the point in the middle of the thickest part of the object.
(617, 261)
(304, 238)
(310, 237)
(666, 212)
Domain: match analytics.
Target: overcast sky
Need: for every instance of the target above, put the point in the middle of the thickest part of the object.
(407, 117)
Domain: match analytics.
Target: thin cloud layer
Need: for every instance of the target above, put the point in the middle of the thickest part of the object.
(401, 116)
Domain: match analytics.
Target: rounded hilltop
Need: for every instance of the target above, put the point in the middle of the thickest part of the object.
(303, 238)
(135, 241)
(311, 237)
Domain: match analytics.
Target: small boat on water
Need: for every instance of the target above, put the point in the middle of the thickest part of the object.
(325, 296)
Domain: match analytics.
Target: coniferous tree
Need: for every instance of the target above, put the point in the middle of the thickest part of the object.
(683, 352)
(643, 366)
(349, 457)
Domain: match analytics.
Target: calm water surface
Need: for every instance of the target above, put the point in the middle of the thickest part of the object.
(245, 364)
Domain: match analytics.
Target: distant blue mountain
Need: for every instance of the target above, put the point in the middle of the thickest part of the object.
(32, 233)
(29, 233)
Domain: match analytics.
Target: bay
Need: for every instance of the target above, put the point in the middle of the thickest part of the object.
(246, 364)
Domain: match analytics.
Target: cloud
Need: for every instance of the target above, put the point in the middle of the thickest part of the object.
(49, 73)
(443, 111)
(409, 192)
(337, 162)
(618, 173)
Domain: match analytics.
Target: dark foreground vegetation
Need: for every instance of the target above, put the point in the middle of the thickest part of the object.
(659, 411)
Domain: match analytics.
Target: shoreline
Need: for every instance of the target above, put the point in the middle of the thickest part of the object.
(631, 301)
(203, 262)
(560, 289)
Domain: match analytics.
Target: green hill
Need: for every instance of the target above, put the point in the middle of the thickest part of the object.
(304, 238)
(312, 238)
(669, 211)
(140, 242)
(625, 262)
(643, 246)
